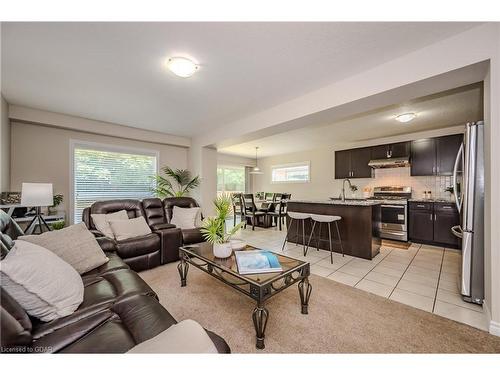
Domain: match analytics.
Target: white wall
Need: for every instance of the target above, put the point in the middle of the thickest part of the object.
(4, 147)
(322, 160)
(42, 154)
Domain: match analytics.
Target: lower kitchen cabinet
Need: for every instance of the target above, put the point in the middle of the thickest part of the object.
(421, 226)
(431, 223)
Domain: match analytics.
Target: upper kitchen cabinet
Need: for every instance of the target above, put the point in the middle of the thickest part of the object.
(342, 164)
(353, 163)
(394, 150)
(434, 156)
(423, 157)
(360, 157)
(446, 153)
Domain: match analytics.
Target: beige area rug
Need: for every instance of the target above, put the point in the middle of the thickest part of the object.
(341, 319)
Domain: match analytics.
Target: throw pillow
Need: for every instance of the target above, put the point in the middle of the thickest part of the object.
(123, 229)
(42, 283)
(185, 218)
(187, 336)
(74, 244)
(101, 221)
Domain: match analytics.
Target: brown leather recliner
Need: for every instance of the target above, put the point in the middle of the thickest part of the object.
(157, 221)
(141, 252)
(119, 311)
(189, 236)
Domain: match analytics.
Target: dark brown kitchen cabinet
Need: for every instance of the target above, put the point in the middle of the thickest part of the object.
(360, 157)
(434, 156)
(431, 223)
(446, 153)
(393, 150)
(343, 164)
(353, 163)
(423, 157)
(445, 217)
(420, 224)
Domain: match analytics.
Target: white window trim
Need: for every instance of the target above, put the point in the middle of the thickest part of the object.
(308, 163)
(74, 143)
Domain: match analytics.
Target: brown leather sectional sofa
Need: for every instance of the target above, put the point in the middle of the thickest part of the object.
(119, 309)
(159, 247)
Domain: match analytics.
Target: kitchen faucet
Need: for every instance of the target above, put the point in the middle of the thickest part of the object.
(343, 187)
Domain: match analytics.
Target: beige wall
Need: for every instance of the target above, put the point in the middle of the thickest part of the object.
(4, 147)
(42, 154)
(322, 161)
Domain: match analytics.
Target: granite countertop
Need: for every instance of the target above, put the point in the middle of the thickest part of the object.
(338, 202)
(432, 200)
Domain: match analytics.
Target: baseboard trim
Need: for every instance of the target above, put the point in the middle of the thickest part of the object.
(494, 328)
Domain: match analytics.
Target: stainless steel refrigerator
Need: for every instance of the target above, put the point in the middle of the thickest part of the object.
(468, 185)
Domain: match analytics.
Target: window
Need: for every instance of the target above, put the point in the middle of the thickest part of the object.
(296, 172)
(230, 179)
(104, 172)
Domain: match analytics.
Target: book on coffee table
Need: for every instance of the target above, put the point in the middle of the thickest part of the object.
(257, 261)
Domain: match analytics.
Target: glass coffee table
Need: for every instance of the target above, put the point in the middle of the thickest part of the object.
(259, 287)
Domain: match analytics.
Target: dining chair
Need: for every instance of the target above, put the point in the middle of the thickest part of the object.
(250, 210)
(280, 211)
(237, 207)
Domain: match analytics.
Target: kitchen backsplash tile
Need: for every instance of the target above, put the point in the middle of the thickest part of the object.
(401, 177)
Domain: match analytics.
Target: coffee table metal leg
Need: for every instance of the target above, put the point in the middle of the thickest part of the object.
(183, 267)
(305, 290)
(260, 315)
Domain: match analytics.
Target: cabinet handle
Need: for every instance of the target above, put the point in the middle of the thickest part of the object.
(435, 217)
(431, 217)
(421, 205)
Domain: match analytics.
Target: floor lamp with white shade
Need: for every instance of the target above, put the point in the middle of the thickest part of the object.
(37, 195)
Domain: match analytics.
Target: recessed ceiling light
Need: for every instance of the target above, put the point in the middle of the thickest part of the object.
(182, 66)
(406, 117)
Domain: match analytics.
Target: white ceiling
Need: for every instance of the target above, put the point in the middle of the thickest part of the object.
(453, 107)
(115, 71)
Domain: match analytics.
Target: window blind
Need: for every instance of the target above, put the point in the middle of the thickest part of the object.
(101, 174)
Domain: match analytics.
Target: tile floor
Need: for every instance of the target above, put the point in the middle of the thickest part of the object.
(423, 276)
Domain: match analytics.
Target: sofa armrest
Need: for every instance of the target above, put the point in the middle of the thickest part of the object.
(170, 240)
(107, 244)
(162, 226)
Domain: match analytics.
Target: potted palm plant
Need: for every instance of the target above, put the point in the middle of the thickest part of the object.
(175, 183)
(214, 228)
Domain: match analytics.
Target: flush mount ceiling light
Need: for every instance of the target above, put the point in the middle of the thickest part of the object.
(256, 169)
(406, 117)
(182, 66)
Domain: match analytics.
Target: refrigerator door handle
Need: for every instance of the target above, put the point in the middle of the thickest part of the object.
(466, 263)
(458, 200)
(457, 231)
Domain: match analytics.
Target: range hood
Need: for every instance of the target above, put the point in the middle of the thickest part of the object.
(390, 163)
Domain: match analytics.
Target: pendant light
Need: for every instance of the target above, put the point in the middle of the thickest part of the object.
(256, 169)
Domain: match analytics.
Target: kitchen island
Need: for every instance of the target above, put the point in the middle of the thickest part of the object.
(359, 227)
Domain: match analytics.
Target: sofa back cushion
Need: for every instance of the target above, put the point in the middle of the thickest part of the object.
(133, 207)
(183, 202)
(42, 283)
(15, 326)
(153, 211)
(123, 229)
(101, 221)
(74, 244)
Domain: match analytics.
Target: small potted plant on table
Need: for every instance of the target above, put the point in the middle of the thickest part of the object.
(214, 228)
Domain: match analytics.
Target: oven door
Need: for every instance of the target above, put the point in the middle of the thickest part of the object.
(393, 217)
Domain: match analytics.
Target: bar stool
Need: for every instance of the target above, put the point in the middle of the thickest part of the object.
(325, 219)
(297, 216)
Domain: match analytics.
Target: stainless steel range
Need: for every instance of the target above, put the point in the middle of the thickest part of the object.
(394, 211)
